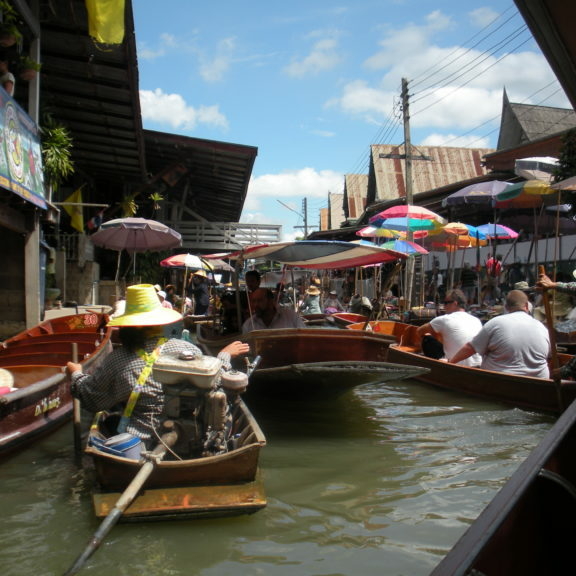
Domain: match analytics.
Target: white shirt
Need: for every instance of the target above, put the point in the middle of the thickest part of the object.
(456, 330)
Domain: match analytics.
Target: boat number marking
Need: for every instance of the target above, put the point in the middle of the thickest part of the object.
(46, 405)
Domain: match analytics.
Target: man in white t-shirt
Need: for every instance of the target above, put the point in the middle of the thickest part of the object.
(455, 328)
(514, 342)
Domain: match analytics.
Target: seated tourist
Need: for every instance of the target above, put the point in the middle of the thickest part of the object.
(455, 328)
(268, 314)
(514, 342)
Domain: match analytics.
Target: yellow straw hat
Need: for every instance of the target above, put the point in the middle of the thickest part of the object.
(143, 308)
(313, 291)
(200, 273)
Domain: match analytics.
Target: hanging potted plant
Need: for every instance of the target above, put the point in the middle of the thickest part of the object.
(57, 146)
(9, 30)
(28, 68)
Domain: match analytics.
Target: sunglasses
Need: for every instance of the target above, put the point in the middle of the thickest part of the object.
(449, 301)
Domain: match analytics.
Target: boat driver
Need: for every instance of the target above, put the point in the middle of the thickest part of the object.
(141, 330)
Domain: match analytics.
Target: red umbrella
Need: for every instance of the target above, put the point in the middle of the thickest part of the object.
(407, 211)
(189, 261)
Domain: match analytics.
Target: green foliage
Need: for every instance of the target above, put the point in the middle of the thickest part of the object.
(10, 25)
(27, 63)
(128, 206)
(57, 146)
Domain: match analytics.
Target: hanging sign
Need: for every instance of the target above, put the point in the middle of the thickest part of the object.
(20, 152)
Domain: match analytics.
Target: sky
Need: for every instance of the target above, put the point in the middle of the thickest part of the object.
(313, 84)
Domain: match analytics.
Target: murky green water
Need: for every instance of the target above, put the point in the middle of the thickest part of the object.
(381, 481)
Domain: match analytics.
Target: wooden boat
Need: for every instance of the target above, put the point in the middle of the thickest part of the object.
(39, 399)
(314, 359)
(384, 327)
(187, 483)
(524, 529)
(344, 318)
(522, 391)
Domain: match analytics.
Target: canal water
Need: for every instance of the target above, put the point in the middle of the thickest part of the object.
(380, 481)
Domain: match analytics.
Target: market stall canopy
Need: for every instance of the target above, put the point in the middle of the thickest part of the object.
(316, 254)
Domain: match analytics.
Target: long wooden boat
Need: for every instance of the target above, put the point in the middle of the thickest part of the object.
(525, 528)
(388, 327)
(188, 483)
(344, 318)
(525, 392)
(315, 360)
(38, 398)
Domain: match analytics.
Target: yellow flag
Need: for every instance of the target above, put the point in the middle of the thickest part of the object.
(106, 21)
(76, 213)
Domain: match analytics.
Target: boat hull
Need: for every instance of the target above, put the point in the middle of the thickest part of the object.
(329, 376)
(36, 359)
(313, 360)
(538, 394)
(525, 528)
(215, 485)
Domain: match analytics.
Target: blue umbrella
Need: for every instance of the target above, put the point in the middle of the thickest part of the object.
(404, 246)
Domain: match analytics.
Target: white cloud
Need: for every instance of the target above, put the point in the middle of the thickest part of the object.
(468, 141)
(483, 16)
(323, 56)
(172, 110)
(213, 69)
(453, 88)
(303, 183)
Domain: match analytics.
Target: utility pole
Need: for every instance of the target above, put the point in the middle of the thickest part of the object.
(409, 277)
(303, 215)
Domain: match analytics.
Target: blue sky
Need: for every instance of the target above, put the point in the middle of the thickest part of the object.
(312, 84)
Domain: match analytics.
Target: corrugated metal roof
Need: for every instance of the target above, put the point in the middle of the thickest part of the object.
(355, 195)
(432, 167)
(523, 123)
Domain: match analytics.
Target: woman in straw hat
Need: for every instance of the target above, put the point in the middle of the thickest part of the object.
(141, 329)
(311, 303)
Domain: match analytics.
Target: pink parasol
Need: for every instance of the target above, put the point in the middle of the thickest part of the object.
(407, 211)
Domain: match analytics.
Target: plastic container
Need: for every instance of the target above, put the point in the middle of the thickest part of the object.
(179, 369)
(124, 445)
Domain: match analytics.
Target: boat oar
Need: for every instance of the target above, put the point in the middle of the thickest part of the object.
(127, 497)
(552, 336)
(77, 413)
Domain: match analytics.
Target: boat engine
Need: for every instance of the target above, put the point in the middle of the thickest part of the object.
(200, 397)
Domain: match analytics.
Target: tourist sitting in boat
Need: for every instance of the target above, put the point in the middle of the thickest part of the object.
(311, 302)
(360, 305)
(455, 328)
(332, 304)
(268, 314)
(514, 342)
(127, 372)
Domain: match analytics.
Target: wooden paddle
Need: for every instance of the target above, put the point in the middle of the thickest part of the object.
(552, 336)
(127, 497)
(76, 411)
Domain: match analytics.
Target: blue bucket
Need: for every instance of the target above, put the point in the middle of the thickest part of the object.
(124, 445)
